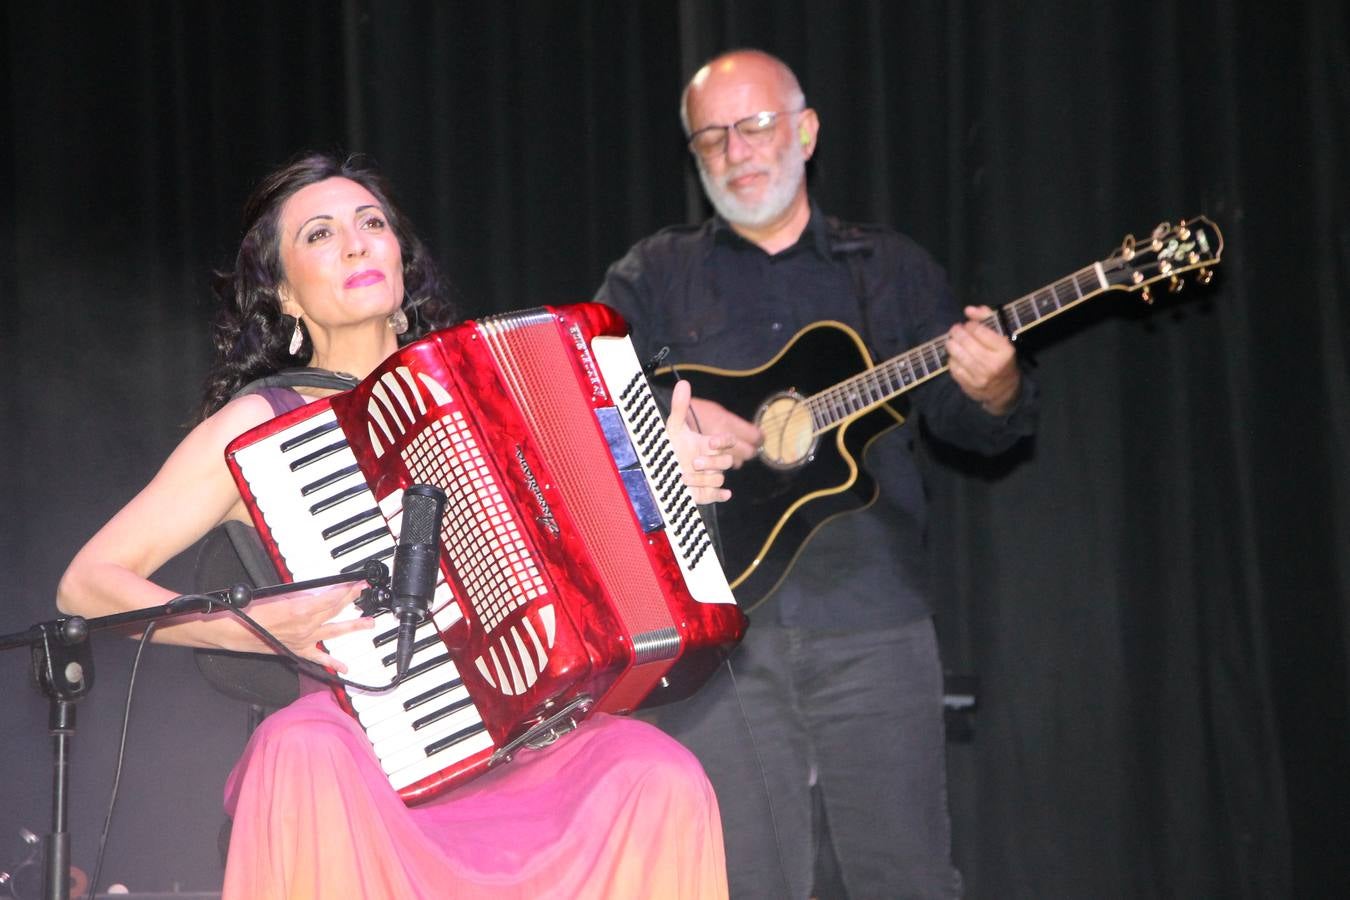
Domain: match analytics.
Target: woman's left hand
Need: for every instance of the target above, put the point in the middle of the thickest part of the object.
(703, 457)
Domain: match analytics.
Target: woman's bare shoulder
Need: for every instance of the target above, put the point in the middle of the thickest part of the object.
(234, 418)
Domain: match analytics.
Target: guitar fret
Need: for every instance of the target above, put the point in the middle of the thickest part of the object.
(821, 414)
(861, 394)
(840, 406)
(874, 391)
(1087, 282)
(1045, 302)
(895, 376)
(1064, 294)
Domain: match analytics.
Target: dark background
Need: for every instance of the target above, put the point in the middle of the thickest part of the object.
(1154, 599)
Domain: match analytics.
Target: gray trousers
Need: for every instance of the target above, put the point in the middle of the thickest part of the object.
(863, 710)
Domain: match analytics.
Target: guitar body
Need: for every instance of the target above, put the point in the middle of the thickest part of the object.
(775, 508)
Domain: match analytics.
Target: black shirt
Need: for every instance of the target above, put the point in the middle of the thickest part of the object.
(714, 298)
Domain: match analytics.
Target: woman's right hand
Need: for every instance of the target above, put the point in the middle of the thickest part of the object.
(300, 620)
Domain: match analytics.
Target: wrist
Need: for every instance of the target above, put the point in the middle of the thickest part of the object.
(1004, 404)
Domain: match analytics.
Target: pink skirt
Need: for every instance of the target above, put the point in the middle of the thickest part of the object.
(614, 810)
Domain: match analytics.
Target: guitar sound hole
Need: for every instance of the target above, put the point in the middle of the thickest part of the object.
(789, 439)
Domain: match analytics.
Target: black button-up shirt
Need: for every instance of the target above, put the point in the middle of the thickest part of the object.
(714, 298)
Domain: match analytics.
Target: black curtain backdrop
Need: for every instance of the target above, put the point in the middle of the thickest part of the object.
(1153, 596)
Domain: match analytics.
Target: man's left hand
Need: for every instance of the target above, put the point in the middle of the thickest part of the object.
(983, 362)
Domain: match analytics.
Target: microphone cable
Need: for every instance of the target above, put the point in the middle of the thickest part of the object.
(121, 759)
(308, 666)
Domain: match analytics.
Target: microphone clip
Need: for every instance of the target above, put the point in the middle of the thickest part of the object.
(376, 598)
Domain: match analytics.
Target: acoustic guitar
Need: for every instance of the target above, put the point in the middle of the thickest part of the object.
(821, 401)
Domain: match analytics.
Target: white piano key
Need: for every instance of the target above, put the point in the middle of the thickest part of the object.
(388, 731)
(369, 668)
(431, 765)
(408, 747)
(372, 708)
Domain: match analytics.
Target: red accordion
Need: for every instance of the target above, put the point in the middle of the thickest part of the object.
(576, 572)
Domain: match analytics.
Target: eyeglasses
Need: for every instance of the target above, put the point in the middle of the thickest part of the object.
(755, 130)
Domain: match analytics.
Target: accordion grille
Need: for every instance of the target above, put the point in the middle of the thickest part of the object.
(537, 364)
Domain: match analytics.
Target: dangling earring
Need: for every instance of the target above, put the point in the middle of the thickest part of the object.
(397, 321)
(297, 338)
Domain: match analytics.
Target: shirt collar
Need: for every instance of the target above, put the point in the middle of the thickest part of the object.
(816, 235)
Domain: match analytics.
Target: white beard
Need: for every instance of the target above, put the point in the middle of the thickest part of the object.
(777, 197)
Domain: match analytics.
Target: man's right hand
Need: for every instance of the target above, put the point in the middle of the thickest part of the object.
(711, 417)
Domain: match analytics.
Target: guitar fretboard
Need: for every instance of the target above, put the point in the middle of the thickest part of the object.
(900, 373)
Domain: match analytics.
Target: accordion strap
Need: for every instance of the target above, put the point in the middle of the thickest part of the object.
(234, 552)
(301, 376)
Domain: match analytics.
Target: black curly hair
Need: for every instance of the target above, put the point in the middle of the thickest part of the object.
(250, 332)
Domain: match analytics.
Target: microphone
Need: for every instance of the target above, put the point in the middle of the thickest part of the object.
(416, 560)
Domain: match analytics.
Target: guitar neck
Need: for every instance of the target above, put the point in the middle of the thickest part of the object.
(889, 379)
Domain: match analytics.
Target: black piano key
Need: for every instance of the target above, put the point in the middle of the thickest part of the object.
(321, 453)
(357, 543)
(437, 715)
(427, 696)
(331, 478)
(337, 498)
(418, 645)
(301, 439)
(382, 556)
(451, 739)
(425, 666)
(349, 523)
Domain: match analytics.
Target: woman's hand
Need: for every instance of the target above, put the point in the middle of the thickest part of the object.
(301, 620)
(704, 457)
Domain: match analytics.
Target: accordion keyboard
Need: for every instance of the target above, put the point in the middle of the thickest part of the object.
(324, 518)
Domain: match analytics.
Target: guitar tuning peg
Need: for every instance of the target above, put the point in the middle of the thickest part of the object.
(1175, 284)
(1147, 296)
(1183, 233)
(1205, 275)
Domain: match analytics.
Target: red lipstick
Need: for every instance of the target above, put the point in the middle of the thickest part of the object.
(364, 279)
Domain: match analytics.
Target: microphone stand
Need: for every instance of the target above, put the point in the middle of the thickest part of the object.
(63, 667)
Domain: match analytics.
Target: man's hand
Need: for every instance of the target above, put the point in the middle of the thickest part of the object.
(711, 417)
(983, 362)
(704, 456)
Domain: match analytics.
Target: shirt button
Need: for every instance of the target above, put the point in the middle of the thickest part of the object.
(776, 326)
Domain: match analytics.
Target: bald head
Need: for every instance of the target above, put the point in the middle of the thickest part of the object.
(740, 71)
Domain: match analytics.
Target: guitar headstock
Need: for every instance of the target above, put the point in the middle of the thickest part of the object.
(1191, 245)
